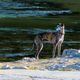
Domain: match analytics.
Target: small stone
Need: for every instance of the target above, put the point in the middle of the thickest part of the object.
(17, 67)
(6, 67)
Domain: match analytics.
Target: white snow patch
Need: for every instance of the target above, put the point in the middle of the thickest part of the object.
(38, 75)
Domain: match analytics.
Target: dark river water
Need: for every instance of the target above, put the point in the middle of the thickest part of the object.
(14, 9)
(18, 42)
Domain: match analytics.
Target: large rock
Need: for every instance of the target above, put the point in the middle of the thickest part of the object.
(71, 53)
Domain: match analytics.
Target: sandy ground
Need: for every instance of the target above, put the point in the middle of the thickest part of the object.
(61, 64)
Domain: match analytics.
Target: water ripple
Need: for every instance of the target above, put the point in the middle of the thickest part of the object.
(33, 30)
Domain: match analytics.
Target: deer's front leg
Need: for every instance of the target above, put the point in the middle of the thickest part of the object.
(59, 49)
(54, 51)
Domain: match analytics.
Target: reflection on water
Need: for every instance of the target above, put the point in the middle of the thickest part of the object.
(14, 9)
(14, 13)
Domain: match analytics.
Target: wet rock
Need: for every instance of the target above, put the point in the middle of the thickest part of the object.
(27, 59)
(56, 67)
(74, 66)
(71, 53)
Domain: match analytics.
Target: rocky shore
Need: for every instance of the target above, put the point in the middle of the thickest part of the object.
(70, 61)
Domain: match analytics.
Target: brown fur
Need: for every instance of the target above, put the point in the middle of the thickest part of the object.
(54, 38)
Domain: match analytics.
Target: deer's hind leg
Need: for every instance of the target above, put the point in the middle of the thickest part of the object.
(39, 50)
(39, 47)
